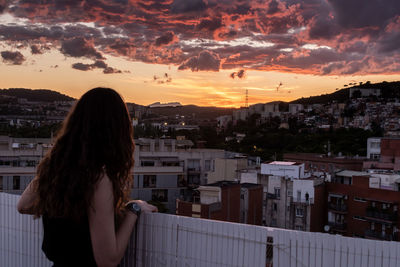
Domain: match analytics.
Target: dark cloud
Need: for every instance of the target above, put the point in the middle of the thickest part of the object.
(323, 27)
(3, 5)
(209, 24)
(358, 14)
(82, 66)
(235, 33)
(328, 69)
(166, 78)
(98, 64)
(35, 50)
(184, 6)
(205, 61)
(110, 70)
(240, 74)
(14, 58)
(80, 47)
(273, 7)
(165, 39)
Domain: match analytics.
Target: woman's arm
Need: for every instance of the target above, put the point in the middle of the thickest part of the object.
(25, 203)
(109, 246)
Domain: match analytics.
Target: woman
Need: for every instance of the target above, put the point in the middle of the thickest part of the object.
(83, 182)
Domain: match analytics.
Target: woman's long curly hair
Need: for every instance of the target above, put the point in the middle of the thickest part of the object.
(95, 138)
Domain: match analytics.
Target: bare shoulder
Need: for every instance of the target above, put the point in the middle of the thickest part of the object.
(103, 194)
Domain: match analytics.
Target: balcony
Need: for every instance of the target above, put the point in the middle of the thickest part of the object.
(304, 200)
(379, 235)
(158, 169)
(193, 170)
(381, 215)
(272, 196)
(169, 240)
(341, 208)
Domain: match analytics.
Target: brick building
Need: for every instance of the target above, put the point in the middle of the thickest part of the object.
(389, 157)
(225, 201)
(363, 204)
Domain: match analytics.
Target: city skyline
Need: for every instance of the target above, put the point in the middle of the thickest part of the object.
(199, 52)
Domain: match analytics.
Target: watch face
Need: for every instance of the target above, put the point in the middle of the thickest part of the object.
(135, 208)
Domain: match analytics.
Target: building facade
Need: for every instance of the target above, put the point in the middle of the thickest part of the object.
(364, 205)
(19, 158)
(225, 201)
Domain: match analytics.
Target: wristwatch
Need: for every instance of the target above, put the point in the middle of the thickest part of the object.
(134, 207)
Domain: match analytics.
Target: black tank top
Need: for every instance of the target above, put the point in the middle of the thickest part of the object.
(67, 243)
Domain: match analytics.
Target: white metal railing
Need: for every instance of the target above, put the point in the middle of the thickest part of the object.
(169, 240)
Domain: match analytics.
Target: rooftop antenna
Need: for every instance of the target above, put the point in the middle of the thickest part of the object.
(247, 98)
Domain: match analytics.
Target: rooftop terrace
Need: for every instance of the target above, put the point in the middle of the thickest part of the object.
(168, 240)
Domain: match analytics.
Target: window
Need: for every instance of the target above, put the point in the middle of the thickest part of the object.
(289, 193)
(194, 179)
(275, 207)
(147, 163)
(375, 145)
(299, 212)
(299, 227)
(372, 226)
(1, 182)
(181, 180)
(149, 181)
(16, 182)
(298, 195)
(207, 165)
(277, 191)
(160, 195)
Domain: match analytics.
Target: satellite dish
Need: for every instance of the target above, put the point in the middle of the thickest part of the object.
(326, 228)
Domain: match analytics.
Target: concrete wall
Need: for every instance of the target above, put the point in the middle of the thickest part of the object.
(226, 170)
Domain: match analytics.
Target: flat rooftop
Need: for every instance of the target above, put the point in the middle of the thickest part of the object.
(286, 163)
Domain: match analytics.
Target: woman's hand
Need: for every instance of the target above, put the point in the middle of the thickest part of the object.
(145, 207)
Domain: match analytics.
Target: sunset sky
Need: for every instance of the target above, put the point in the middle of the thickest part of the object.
(204, 52)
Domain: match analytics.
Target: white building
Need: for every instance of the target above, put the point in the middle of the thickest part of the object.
(295, 108)
(283, 168)
(374, 147)
(365, 92)
(18, 160)
(165, 169)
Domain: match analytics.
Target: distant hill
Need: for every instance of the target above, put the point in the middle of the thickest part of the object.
(340, 96)
(388, 90)
(36, 95)
(189, 110)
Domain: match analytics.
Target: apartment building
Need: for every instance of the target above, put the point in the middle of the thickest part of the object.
(293, 199)
(168, 169)
(18, 160)
(364, 204)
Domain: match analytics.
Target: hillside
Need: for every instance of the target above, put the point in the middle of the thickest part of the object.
(340, 96)
(36, 95)
(388, 90)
